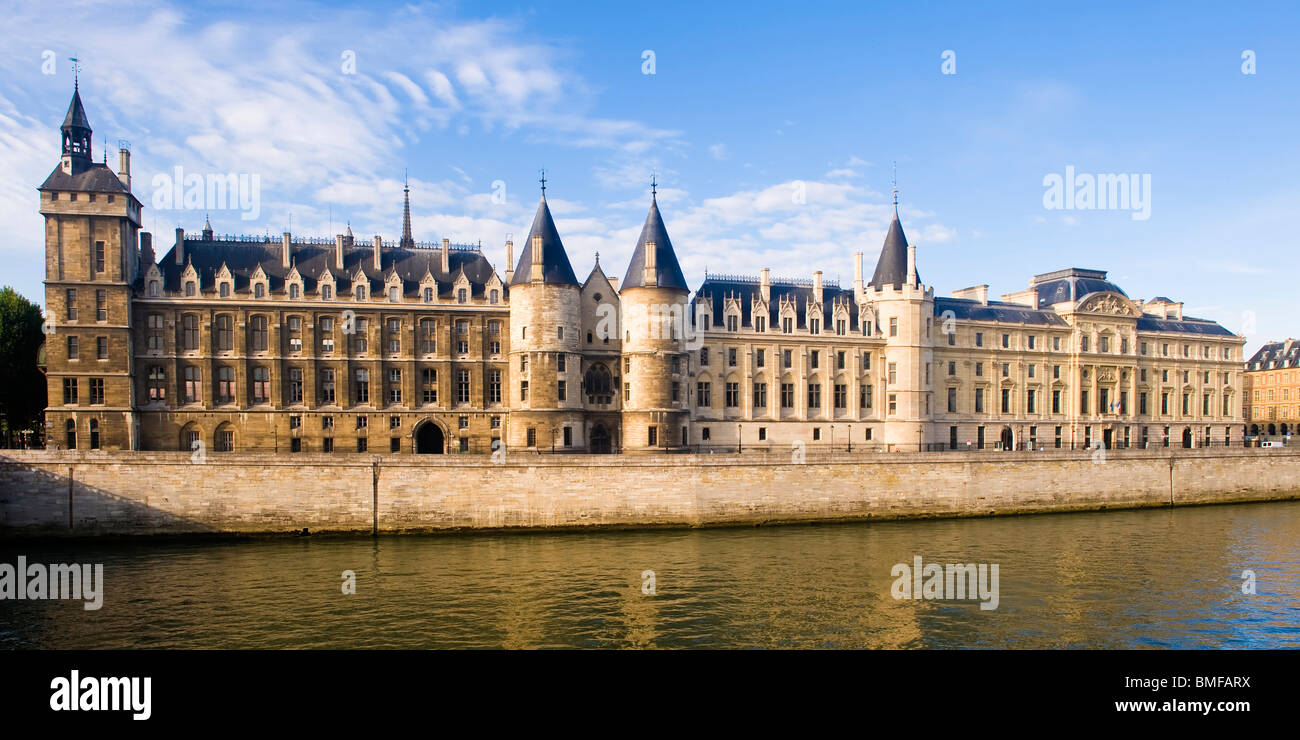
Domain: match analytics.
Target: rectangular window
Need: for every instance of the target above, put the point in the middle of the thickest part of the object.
(760, 397)
(69, 390)
(101, 305)
(893, 373)
(462, 387)
(101, 348)
(362, 386)
(814, 395)
(97, 390)
(653, 436)
(394, 386)
(979, 339)
(732, 395)
(1056, 402)
(841, 396)
(561, 391)
(523, 390)
(1006, 400)
(865, 397)
(703, 394)
(952, 400)
(99, 255)
(979, 400)
(1029, 402)
(494, 386)
(70, 298)
(893, 326)
(787, 395)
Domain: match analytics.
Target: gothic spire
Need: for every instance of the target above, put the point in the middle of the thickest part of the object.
(408, 242)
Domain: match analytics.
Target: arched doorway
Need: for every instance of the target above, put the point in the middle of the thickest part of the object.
(1187, 437)
(429, 439)
(600, 442)
(1008, 440)
(1285, 429)
(1272, 429)
(1254, 430)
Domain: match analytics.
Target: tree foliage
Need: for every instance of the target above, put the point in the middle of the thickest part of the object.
(22, 384)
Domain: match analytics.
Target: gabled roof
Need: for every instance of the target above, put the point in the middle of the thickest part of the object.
(667, 270)
(891, 268)
(716, 290)
(556, 269)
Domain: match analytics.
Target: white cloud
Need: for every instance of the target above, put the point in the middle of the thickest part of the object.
(718, 151)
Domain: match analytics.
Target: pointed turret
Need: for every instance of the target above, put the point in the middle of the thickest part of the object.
(663, 269)
(892, 268)
(77, 136)
(544, 242)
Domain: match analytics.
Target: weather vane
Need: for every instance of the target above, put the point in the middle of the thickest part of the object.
(654, 183)
(894, 181)
(542, 180)
(76, 71)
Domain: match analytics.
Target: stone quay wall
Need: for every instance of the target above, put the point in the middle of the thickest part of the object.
(79, 493)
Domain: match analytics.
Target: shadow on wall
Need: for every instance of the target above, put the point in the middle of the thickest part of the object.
(36, 502)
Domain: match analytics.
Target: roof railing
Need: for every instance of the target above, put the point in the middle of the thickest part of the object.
(800, 282)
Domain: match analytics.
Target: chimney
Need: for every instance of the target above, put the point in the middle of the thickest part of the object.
(337, 266)
(147, 256)
(613, 283)
(446, 255)
(180, 246)
(651, 265)
(286, 249)
(377, 255)
(510, 261)
(124, 167)
(817, 286)
(858, 289)
(911, 264)
(536, 257)
(765, 284)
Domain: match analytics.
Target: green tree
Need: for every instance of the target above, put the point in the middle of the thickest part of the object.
(22, 384)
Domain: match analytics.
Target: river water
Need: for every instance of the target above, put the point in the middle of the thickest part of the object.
(1152, 578)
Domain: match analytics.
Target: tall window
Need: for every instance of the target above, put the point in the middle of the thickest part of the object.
(70, 298)
(814, 395)
(154, 328)
(70, 391)
(394, 386)
(787, 395)
(429, 384)
(157, 383)
(73, 348)
(462, 386)
(428, 337)
(362, 386)
(193, 385)
(99, 256)
(225, 333)
(259, 333)
(97, 390)
(760, 397)
(494, 386)
(295, 385)
(394, 336)
(732, 395)
(326, 387)
(101, 305)
(261, 385)
(225, 385)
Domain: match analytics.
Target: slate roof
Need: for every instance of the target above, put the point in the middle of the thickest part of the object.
(1276, 355)
(1187, 325)
(716, 290)
(667, 270)
(243, 258)
(76, 117)
(1072, 284)
(891, 267)
(556, 269)
(972, 310)
(97, 178)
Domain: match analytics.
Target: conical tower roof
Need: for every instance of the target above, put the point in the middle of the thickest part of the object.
(555, 261)
(76, 117)
(667, 270)
(891, 268)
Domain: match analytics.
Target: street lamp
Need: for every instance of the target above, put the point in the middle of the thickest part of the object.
(739, 444)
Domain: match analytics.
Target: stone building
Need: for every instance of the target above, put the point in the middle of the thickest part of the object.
(1272, 390)
(342, 345)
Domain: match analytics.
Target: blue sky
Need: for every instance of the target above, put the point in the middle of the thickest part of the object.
(747, 104)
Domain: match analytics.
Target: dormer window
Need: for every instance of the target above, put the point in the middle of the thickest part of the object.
(153, 288)
(494, 296)
(428, 295)
(294, 292)
(392, 294)
(733, 322)
(360, 292)
(224, 290)
(462, 295)
(326, 292)
(259, 291)
(190, 288)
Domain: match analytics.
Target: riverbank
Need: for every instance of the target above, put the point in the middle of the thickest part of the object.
(88, 494)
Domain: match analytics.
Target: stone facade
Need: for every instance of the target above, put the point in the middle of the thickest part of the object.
(305, 345)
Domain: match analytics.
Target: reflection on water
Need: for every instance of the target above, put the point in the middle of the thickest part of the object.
(1157, 578)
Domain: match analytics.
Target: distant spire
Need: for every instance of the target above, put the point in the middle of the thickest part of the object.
(894, 181)
(654, 185)
(542, 180)
(597, 259)
(408, 242)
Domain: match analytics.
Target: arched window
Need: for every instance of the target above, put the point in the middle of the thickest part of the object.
(190, 437)
(224, 439)
(598, 384)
